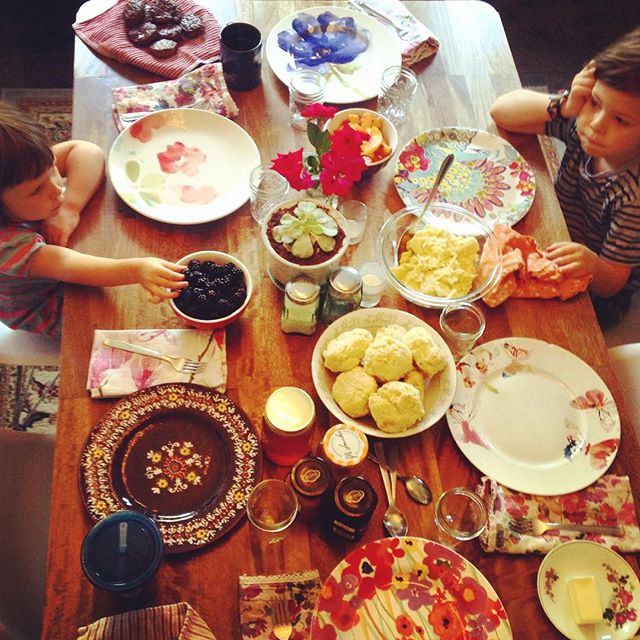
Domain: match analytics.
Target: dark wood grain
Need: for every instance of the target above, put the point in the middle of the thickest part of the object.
(473, 67)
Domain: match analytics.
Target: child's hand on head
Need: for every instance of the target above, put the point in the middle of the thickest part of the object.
(573, 258)
(581, 88)
(161, 278)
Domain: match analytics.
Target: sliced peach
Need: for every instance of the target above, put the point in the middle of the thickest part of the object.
(369, 147)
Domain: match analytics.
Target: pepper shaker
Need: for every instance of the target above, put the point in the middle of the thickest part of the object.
(344, 293)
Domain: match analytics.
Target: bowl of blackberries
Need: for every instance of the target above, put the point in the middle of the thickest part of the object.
(218, 293)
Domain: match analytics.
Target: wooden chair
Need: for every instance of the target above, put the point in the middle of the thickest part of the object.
(26, 463)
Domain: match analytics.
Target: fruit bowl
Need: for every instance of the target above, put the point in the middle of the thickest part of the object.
(208, 279)
(381, 130)
(457, 226)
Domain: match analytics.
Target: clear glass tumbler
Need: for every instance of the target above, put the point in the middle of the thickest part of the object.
(396, 90)
(306, 87)
(267, 189)
(460, 515)
(272, 507)
(354, 213)
(461, 324)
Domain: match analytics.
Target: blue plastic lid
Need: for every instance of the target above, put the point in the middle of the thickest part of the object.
(122, 551)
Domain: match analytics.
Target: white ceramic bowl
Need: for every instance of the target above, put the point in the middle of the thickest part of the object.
(283, 270)
(454, 219)
(218, 257)
(389, 133)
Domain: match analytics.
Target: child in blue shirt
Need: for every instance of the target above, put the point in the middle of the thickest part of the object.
(598, 184)
(38, 215)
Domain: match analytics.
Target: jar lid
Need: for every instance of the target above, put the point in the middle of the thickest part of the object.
(302, 289)
(345, 282)
(355, 497)
(122, 551)
(289, 411)
(345, 445)
(310, 476)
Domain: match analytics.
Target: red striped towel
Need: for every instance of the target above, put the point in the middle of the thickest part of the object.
(106, 34)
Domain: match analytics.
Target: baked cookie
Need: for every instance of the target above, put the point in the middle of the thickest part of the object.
(164, 11)
(144, 35)
(191, 25)
(163, 48)
(133, 12)
(170, 31)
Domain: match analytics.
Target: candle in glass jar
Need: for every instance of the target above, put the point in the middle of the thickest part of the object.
(288, 422)
(373, 284)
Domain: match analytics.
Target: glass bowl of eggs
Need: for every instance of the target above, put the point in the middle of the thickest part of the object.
(439, 256)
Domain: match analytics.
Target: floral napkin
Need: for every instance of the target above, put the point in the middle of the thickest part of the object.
(608, 501)
(301, 591)
(106, 34)
(204, 88)
(168, 622)
(114, 373)
(417, 41)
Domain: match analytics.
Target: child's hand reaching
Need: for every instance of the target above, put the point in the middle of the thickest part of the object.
(581, 87)
(161, 278)
(573, 258)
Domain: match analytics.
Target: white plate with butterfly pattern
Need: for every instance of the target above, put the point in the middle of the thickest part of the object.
(533, 416)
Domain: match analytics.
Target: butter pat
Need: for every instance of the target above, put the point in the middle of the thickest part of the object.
(585, 601)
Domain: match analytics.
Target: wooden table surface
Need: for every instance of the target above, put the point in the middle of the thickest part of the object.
(474, 66)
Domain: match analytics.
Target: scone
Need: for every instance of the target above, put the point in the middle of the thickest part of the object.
(425, 351)
(396, 406)
(351, 391)
(387, 358)
(345, 352)
(393, 330)
(416, 379)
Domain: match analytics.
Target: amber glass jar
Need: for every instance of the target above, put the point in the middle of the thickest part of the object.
(354, 501)
(311, 481)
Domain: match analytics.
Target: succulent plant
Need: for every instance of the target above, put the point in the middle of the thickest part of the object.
(306, 226)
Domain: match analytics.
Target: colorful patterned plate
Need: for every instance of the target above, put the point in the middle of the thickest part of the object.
(533, 416)
(439, 388)
(488, 177)
(183, 166)
(407, 588)
(349, 82)
(616, 582)
(183, 453)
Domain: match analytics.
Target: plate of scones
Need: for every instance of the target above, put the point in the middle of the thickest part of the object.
(384, 371)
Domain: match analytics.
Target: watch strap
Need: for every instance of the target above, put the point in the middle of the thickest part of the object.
(556, 100)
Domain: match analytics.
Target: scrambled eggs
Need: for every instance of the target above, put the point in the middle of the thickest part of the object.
(438, 263)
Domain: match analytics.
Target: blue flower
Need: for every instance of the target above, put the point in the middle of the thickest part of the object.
(325, 39)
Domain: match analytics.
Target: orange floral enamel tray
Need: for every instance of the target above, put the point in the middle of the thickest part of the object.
(180, 453)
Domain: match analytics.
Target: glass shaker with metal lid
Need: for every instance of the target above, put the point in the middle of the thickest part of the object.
(344, 292)
(300, 306)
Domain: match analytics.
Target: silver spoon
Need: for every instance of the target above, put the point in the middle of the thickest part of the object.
(444, 167)
(416, 487)
(394, 520)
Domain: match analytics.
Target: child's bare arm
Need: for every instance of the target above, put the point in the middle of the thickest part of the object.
(575, 259)
(82, 164)
(158, 277)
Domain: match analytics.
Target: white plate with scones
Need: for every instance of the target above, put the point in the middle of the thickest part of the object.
(385, 371)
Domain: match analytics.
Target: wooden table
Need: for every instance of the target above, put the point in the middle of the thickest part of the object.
(474, 66)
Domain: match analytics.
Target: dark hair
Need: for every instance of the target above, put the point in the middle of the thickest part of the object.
(619, 64)
(24, 147)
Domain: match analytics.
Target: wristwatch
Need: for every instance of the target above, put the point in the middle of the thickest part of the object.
(556, 100)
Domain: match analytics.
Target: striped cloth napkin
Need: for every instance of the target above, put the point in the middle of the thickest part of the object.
(106, 34)
(168, 622)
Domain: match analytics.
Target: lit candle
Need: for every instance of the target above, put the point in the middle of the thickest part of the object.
(373, 284)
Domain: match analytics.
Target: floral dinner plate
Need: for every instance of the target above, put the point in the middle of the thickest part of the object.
(488, 176)
(183, 166)
(350, 48)
(408, 588)
(617, 585)
(533, 416)
(439, 388)
(182, 453)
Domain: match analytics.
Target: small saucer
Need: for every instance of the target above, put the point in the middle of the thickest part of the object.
(617, 584)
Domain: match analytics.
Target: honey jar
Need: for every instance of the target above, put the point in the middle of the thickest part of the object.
(354, 501)
(345, 448)
(287, 425)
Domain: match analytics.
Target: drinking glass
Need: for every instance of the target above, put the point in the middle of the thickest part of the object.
(272, 507)
(396, 90)
(461, 323)
(267, 189)
(373, 284)
(306, 87)
(355, 215)
(460, 515)
(241, 55)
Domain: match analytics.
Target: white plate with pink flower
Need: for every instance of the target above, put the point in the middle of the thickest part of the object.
(183, 166)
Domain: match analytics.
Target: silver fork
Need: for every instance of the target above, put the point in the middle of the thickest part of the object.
(537, 527)
(282, 627)
(403, 34)
(182, 365)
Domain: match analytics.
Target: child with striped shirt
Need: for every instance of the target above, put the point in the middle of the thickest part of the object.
(38, 215)
(598, 184)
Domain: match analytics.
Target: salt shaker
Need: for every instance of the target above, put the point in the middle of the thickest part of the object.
(344, 293)
(300, 306)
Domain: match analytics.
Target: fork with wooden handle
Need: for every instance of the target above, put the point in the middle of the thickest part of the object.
(537, 527)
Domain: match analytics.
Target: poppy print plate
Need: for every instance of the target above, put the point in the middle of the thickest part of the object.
(182, 453)
(533, 416)
(349, 48)
(183, 166)
(488, 176)
(616, 583)
(408, 588)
